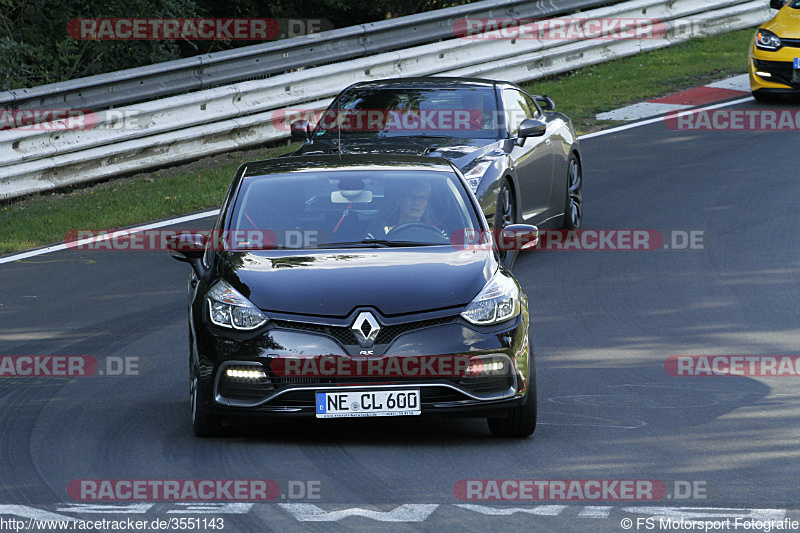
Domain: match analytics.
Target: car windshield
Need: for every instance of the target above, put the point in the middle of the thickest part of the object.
(351, 208)
(463, 112)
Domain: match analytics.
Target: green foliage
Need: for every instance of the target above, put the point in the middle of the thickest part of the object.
(37, 50)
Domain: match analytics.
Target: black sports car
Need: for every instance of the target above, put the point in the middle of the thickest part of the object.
(339, 286)
(521, 158)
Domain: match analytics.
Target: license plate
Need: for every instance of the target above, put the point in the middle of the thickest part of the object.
(368, 403)
(797, 62)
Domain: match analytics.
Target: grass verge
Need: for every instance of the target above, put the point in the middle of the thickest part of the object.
(46, 218)
(583, 93)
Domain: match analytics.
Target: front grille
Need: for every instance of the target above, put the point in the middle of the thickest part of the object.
(389, 333)
(487, 385)
(782, 72)
(346, 337)
(791, 43)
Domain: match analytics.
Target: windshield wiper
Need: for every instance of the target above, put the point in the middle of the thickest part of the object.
(373, 243)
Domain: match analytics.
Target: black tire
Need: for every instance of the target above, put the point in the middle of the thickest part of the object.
(506, 212)
(573, 203)
(521, 419)
(765, 98)
(204, 422)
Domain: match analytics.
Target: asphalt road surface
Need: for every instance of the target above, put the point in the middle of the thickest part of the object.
(604, 322)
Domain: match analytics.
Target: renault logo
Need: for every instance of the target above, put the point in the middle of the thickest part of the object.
(366, 329)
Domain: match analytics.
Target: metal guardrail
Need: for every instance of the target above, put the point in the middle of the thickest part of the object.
(207, 71)
(201, 123)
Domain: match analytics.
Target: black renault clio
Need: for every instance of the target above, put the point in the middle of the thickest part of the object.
(350, 286)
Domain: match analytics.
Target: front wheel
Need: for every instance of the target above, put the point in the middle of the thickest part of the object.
(765, 98)
(204, 422)
(521, 420)
(573, 204)
(506, 213)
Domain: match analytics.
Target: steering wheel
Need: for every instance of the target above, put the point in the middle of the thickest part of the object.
(411, 225)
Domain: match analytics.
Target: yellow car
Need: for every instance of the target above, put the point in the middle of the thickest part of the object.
(775, 54)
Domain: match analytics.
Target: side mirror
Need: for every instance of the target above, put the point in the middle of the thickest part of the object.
(514, 238)
(188, 248)
(301, 130)
(547, 103)
(531, 127)
(519, 237)
(776, 4)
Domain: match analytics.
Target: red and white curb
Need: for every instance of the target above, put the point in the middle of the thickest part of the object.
(719, 91)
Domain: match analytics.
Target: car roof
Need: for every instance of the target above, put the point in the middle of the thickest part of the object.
(339, 162)
(427, 81)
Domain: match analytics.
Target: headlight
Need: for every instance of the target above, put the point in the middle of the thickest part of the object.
(229, 309)
(497, 302)
(474, 176)
(766, 40)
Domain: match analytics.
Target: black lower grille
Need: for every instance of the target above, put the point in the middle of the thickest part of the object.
(487, 385)
(251, 389)
(782, 72)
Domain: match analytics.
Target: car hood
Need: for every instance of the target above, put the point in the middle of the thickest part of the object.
(786, 24)
(461, 152)
(334, 282)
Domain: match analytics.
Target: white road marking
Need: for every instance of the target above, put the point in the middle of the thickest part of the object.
(707, 513)
(32, 512)
(539, 510)
(596, 511)
(93, 508)
(214, 508)
(155, 225)
(659, 119)
(303, 512)
(306, 512)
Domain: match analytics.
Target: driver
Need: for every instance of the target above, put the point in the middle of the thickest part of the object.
(479, 118)
(411, 205)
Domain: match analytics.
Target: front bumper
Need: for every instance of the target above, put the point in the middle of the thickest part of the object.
(774, 71)
(277, 393)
